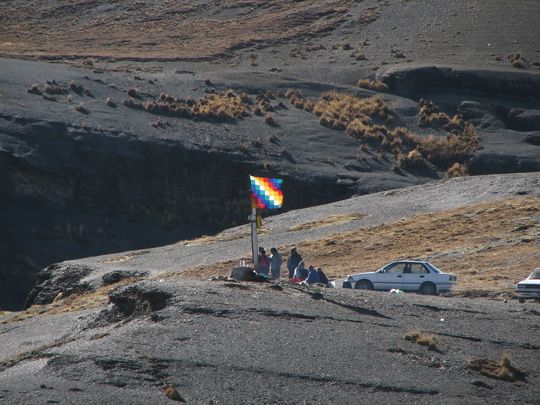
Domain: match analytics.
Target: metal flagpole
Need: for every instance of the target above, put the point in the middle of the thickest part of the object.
(254, 241)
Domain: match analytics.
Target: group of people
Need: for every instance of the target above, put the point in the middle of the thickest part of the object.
(271, 265)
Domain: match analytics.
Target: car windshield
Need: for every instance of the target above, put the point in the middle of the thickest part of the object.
(535, 275)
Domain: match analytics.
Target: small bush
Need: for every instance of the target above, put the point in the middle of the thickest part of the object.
(502, 370)
(81, 108)
(110, 103)
(77, 88)
(375, 85)
(172, 393)
(34, 89)
(273, 139)
(411, 161)
(133, 92)
(269, 119)
(88, 93)
(422, 339)
(52, 89)
(136, 105)
(516, 60)
(457, 170)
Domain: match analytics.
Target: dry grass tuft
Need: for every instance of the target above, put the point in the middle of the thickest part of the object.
(53, 89)
(220, 107)
(502, 370)
(457, 170)
(77, 88)
(269, 119)
(34, 89)
(423, 339)
(133, 92)
(516, 60)
(330, 220)
(172, 393)
(411, 161)
(81, 108)
(367, 119)
(375, 85)
(214, 107)
(339, 110)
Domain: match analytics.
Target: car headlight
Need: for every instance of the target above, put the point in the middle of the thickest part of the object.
(453, 278)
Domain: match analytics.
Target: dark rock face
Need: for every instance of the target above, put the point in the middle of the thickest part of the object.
(418, 80)
(484, 163)
(137, 299)
(74, 192)
(522, 120)
(533, 139)
(57, 279)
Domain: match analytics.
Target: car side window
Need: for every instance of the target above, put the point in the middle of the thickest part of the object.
(396, 268)
(418, 268)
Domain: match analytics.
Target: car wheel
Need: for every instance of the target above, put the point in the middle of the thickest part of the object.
(363, 285)
(428, 289)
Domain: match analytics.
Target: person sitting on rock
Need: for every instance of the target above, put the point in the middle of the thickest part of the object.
(313, 276)
(300, 273)
(322, 276)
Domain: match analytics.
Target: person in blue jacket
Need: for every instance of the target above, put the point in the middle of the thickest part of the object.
(313, 276)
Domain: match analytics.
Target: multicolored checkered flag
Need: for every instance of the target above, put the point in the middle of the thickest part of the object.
(266, 192)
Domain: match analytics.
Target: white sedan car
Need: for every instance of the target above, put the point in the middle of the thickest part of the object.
(529, 288)
(406, 275)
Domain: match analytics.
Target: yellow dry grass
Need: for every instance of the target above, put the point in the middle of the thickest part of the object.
(338, 110)
(146, 31)
(214, 107)
(220, 106)
(204, 240)
(502, 370)
(375, 85)
(125, 257)
(330, 220)
(488, 246)
(423, 339)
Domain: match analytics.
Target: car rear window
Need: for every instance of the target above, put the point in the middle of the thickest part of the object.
(433, 268)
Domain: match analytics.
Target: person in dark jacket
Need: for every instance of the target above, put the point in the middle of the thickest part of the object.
(264, 263)
(293, 261)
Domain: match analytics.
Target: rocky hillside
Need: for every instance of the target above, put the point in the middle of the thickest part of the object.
(136, 327)
(134, 139)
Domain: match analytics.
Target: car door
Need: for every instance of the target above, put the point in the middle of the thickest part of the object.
(414, 276)
(390, 277)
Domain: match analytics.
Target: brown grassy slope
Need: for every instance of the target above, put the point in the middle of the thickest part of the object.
(488, 246)
(162, 30)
